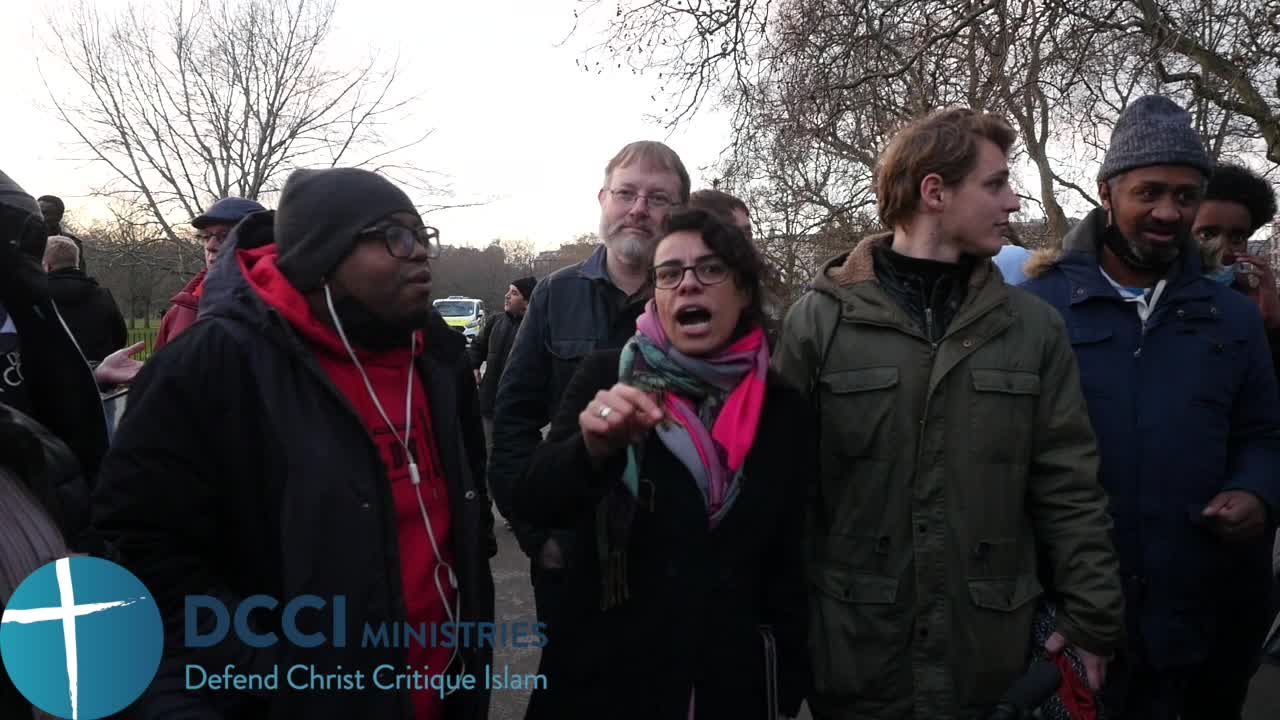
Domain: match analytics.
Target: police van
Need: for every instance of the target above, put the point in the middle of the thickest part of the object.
(463, 314)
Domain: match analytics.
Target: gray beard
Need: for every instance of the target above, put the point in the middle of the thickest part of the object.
(1143, 258)
(631, 249)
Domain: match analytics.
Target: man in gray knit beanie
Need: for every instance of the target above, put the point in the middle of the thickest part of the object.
(1176, 371)
(1154, 130)
(1150, 184)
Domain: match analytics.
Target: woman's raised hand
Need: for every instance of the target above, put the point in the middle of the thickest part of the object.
(616, 418)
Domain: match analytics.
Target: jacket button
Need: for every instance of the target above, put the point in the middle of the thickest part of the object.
(968, 342)
(470, 495)
(1182, 313)
(1213, 310)
(1079, 292)
(364, 505)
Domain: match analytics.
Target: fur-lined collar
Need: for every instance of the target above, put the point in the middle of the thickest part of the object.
(858, 265)
(1041, 262)
(1083, 238)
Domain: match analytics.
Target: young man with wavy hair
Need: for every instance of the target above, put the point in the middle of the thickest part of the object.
(957, 466)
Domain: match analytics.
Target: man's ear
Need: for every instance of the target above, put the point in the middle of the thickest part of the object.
(933, 193)
(1104, 194)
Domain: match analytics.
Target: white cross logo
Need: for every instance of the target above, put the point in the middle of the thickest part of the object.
(67, 612)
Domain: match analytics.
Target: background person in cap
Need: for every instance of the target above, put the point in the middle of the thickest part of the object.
(317, 432)
(1182, 396)
(212, 228)
(493, 344)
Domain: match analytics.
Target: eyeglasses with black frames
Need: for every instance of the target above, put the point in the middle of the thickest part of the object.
(711, 271)
(401, 240)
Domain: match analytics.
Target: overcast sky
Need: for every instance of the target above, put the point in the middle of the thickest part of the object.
(515, 120)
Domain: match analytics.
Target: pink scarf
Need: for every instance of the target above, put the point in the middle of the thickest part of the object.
(714, 458)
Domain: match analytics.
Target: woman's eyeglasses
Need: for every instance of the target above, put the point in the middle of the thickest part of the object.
(401, 241)
(708, 272)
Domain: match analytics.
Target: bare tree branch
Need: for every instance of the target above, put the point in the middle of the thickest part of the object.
(200, 99)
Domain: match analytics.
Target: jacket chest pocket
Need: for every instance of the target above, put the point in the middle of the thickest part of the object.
(565, 356)
(1002, 414)
(1214, 365)
(858, 411)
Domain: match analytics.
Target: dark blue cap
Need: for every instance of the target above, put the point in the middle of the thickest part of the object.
(228, 210)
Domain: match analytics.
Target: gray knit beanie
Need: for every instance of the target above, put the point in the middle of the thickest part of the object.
(319, 214)
(1153, 130)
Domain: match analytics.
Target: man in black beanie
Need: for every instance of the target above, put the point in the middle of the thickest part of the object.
(52, 209)
(493, 344)
(1177, 374)
(316, 433)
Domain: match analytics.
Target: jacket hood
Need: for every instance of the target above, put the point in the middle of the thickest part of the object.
(22, 228)
(12, 195)
(71, 286)
(1080, 249)
(842, 272)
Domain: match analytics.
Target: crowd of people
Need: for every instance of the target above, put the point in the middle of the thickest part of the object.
(953, 460)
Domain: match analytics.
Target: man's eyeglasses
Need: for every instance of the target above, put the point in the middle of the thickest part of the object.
(629, 197)
(205, 236)
(401, 241)
(711, 271)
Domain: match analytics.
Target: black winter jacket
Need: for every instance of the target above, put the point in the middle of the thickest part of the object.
(90, 311)
(491, 347)
(240, 469)
(573, 311)
(58, 381)
(697, 597)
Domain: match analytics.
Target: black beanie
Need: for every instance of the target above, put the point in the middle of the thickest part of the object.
(525, 286)
(319, 214)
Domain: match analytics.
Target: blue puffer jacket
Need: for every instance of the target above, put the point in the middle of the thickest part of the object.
(1183, 408)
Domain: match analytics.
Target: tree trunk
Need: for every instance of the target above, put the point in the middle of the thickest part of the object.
(1053, 213)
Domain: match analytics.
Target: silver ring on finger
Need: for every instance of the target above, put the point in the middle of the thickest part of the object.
(604, 411)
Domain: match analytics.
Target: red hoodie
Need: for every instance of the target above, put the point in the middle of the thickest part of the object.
(388, 373)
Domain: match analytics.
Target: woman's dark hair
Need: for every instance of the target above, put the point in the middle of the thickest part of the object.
(729, 244)
(1234, 184)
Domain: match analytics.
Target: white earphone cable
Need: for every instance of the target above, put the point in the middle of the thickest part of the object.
(454, 614)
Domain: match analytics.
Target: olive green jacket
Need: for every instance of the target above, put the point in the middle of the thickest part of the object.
(956, 480)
